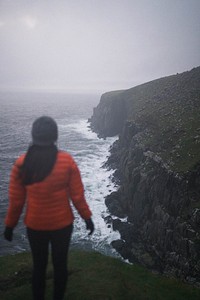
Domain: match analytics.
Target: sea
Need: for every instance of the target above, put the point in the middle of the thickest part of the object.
(18, 110)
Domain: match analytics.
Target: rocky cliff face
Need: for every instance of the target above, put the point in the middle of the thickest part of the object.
(162, 209)
(159, 195)
(109, 115)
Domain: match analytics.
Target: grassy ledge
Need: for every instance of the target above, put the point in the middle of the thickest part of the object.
(93, 276)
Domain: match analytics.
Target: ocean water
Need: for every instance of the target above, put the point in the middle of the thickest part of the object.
(18, 110)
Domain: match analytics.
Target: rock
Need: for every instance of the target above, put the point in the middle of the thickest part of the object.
(157, 166)
(108, 117)
(113, 202)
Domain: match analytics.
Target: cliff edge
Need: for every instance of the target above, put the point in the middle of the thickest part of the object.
(108, 117)
(157, 161)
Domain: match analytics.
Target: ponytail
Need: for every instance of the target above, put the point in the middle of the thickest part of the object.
(38, 163)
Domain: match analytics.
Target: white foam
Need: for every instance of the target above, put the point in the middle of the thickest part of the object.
(96, 179)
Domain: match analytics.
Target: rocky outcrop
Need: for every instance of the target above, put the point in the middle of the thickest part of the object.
(158, 203)
(162, 229)
(108, 117)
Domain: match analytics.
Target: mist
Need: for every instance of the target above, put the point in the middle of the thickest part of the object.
(87, 45)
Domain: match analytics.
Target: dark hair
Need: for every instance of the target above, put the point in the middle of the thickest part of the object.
(38, 163)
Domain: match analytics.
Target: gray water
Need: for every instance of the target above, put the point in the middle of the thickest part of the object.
(17, 112)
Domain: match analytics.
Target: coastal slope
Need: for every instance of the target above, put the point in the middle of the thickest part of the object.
(157, 162)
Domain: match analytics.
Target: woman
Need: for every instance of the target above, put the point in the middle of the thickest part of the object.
(44, 180)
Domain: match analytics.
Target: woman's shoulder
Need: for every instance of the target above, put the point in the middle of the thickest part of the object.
(63, 155)
(20, 159)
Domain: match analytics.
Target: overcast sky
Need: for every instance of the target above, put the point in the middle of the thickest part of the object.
(98, 45)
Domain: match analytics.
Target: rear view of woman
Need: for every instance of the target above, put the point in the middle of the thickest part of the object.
(44, 180)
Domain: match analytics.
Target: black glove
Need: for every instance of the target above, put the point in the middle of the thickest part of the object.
(8, 233)
(89, 225)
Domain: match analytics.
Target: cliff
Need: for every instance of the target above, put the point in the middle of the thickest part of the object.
(108, 117)
(157, 161)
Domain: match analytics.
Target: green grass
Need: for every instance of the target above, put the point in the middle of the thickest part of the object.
(167, 112)
(93, 276)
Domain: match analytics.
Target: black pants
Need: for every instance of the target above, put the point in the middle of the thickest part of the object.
(39, 243)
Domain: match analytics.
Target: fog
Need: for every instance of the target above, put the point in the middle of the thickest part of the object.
(99, 45)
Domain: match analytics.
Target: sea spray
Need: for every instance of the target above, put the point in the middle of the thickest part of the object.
(90, 153)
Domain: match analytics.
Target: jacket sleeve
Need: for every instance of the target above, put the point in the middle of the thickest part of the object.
(76, 192)
(17, 197)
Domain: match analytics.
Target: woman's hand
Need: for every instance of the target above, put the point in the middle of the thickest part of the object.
(89, 225)
(8, 233)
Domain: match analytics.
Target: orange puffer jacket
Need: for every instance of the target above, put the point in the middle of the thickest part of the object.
(48, 202)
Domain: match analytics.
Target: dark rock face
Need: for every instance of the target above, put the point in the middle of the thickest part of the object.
(161, 205)
(162, 229)
(108, 117)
